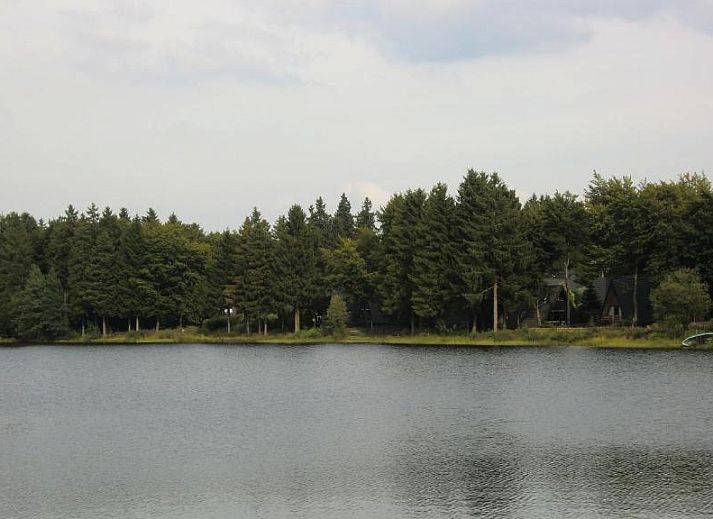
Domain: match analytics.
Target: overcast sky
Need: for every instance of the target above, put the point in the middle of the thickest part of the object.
(210, 107)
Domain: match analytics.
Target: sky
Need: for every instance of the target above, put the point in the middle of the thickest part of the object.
(209, 108)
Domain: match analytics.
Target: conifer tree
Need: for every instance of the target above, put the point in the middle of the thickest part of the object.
(18, 242)
(296, 263)
(254, 283)
(343, 219)
(320, 223)
(366, 219)
(494, 247)
(433, 274)
(82, 287)
(39, 307)
(132, 276)
(400, 221)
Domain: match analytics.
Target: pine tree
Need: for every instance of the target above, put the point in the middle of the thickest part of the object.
(39, 307)
(18, 243)
(81, 287)
(130, 267)
(343, 219)
(494, 249)
(400, 221)
(254, 283)
(296, 263)
(320, 223)
(433, 273)
(366, 219)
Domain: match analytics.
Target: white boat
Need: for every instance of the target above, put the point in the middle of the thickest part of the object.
(700, 339)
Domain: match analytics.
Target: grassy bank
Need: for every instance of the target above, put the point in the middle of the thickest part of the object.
(586, 337)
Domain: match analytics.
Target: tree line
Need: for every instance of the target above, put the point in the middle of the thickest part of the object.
(425, 260)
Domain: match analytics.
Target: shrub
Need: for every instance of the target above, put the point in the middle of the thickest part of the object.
(336, 321)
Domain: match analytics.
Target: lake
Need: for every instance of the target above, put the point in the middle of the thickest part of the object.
(206, 431)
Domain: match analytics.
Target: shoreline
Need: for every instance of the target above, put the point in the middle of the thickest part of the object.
(584, 338)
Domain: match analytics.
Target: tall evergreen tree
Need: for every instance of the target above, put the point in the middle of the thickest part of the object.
(400, 221)
(494, 247)
(82, 287)
(320, 223)
(296, 263)
(366, 219)
(434, 262)
(343, 219)
(19, 237)
(254, 284)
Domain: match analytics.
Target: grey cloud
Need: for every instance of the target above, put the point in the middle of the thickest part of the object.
(119, 41)
(492, 27)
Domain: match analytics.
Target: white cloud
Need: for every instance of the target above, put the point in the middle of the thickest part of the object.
(357, 191)
(209, 108)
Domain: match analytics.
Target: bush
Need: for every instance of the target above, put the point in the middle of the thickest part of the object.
(336, 321)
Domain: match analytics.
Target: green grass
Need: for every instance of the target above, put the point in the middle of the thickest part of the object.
(585, 337)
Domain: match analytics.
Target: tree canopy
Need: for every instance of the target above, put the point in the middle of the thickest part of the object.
(431, 259)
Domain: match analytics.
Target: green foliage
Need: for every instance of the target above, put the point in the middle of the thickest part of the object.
(39, 312)
(336, 322)
(343, 220)
(400, 220)
(18, 244)
(346, 271)
(494, 245)
(254, 285)
(432, 260)
(680, 299)
(366, 219)
(296, 263)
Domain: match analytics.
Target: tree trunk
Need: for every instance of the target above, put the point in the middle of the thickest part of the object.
(229, 321)
(474, 329)
(137, 323)
(265, 325)
(297, 319)
(103, 326)
(537, 313)
(82, 326)
(128, 323)
(566, 289)
(247, 325)
(635, 317)
(158, 326)
(413, 324)
(495, 307)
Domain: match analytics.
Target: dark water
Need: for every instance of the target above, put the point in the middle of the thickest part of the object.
(354, 431)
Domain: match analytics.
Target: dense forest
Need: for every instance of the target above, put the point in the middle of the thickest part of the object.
(427, 260)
